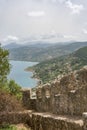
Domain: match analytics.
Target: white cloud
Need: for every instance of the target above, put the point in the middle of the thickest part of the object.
(75, 8)
(61, 1)
(84, 31)
(54, 1)
(36, 13)
(10, 38)
(69, 36)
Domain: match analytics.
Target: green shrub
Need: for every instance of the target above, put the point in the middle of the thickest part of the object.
(14, 89)
(8, 127)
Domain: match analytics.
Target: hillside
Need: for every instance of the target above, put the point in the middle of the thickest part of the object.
(82, 53)
(41, 52)
(50, 69)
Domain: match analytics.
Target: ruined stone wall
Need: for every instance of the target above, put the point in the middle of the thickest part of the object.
(15, 117)
(26, 98)
(65, 96)
(43, 121)
(28, 103)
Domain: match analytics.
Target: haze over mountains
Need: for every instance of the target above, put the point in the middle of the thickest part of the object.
(12, 45)
(40, 51)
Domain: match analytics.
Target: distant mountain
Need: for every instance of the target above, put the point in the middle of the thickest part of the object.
(12, 45)
(27, 44)
(43, 51)
(51, 69)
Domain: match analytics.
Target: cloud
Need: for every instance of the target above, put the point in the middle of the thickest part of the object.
(69, 36)
(75, 8)
(84, 31)
(36, 13)
(54, 1)
(61, 1)
(10, 38)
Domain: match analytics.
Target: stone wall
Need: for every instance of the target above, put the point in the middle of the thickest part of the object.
(15, 117)
(28, 103)
(26, 98)
(85, 121)
(43, 121)
(65, 96)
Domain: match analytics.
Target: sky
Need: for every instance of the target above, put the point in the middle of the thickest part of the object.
(43, 20)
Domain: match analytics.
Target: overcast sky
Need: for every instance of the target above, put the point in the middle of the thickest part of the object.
(50, 20)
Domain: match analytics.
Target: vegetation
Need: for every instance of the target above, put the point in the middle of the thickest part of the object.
(42, 52)
(4, 66)
(51, 69)
(14, 127)
(8, 127)
(10, 94)
(15, 89)
(9, 102)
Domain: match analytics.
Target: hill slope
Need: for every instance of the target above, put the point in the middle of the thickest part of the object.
(50, 69)
(42, 52)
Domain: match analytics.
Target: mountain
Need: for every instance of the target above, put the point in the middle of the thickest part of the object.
(32, 52)
(43, 51)
(12, 45)
(51, 69)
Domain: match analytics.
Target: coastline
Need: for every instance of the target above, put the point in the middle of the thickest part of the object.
(30, 69)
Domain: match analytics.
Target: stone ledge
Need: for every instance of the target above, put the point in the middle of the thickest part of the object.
(72, 119)
(43, 121)
(85, 115)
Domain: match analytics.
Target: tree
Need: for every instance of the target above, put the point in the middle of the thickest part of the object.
(4, 66)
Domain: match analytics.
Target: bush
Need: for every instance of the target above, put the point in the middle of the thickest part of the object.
(8, 127)
(14, 89)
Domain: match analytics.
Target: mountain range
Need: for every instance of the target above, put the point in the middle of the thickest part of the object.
(40, 51)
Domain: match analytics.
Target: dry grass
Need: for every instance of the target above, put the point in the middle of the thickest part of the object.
(9, 102)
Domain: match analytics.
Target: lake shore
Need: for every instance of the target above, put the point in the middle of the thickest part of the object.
(34, 76)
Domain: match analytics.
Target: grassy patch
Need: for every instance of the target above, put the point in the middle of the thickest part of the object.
(8, 127)
(14, 127)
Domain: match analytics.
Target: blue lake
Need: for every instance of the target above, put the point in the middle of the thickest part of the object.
(22, 77)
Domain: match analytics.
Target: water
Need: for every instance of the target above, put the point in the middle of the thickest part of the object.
(22, 77)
